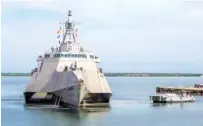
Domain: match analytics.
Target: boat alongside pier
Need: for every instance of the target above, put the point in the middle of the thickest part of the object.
(172, 98)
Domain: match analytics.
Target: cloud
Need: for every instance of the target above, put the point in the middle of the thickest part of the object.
(129, 32)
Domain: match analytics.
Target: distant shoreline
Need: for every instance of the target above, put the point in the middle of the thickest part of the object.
(127, 74)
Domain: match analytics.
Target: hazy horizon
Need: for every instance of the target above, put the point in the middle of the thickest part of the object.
(114, 72)
(163, 36)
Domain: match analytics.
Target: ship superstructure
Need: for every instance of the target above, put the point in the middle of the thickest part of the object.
(68, 75)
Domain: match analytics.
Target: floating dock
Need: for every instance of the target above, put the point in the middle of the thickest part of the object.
(190, 90)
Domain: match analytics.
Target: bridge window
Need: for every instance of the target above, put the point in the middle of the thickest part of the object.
(82, 55)
(91, 56)
(47, 55)
(57, 55)
(72, 55)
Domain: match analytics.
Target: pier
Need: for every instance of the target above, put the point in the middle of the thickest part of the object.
(190, 90)
(198, 85)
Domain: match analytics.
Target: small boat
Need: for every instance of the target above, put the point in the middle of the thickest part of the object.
(172, 98)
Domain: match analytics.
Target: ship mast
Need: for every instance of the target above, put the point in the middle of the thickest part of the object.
(69, 33)
(69, 29)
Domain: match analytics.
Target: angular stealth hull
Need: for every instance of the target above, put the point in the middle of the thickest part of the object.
(77, 88)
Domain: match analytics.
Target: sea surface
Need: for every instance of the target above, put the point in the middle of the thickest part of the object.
(130, 106)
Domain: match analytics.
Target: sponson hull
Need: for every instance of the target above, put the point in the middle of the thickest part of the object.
(68, 76)
(70, 88)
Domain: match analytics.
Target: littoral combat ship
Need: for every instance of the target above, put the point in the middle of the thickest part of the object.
(68, 75)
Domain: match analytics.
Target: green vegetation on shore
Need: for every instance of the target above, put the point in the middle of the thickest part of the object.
(154, 74)
(15, 74)
(127, 74)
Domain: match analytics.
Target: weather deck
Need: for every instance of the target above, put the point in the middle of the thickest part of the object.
(190, 90)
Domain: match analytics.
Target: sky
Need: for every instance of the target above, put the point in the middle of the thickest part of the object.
(127, 35)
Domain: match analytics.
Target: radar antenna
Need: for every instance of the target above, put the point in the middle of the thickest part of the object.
(69, 32)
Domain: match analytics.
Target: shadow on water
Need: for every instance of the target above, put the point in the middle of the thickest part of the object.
(64, 116)
(67, 112)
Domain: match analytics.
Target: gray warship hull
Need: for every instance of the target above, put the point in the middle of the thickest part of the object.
(70, 89)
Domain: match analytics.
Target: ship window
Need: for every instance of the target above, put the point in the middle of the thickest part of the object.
(61, 55)
(76, 55)
(46, 55)
(72, 55)
(91, 56)
(84, 56)
(65, 55)
(56, 55)
(68, 55)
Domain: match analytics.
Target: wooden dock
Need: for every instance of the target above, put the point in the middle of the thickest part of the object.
(190, 90)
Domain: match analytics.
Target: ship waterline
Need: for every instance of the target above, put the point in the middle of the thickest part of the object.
(68, 75)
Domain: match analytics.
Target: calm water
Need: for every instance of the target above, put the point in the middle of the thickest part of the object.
(130, 106)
